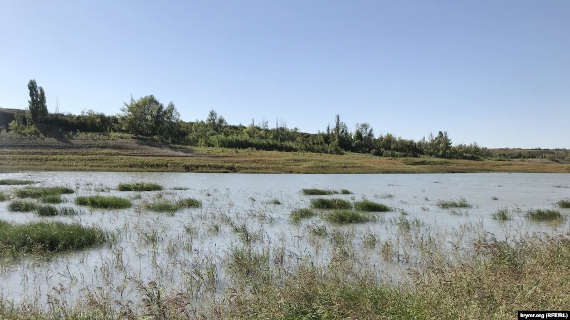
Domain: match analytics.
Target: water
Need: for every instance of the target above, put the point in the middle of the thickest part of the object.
(175, 251)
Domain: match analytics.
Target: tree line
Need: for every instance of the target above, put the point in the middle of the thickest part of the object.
(148, 117)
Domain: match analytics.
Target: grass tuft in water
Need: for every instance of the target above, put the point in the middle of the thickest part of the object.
(318, 192)
(170, 206)
(544, 214)
(102, 202)
(52, 199)
(322, 203)
(366, 205)
(189, 203)
(564, 204)
(39, 192)
(299, 214)
(502, 215)
(15, 182)
(22, 206)
(140, 186)
(274, 201)
(454, 204)
(47, 237)
(3, 197)
(318, 230)
(46, 211)
(346, 216)
(345, 191)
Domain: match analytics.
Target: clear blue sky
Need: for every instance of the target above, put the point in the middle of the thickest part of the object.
(492, 72)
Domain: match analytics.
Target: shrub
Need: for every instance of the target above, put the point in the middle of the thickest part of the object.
(299, 214)
(48, 237)
(330, 204)
(317, 192)
(39, 192)
(140, 186)
(544, 214)
(22, 206)
(371, 206)
(101, 202)
(14, 182)
(454, 204)
(346, 216)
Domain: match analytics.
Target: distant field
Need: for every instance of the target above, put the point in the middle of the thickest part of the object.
(134, 155)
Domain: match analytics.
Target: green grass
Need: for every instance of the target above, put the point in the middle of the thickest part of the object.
(39, 192)
(274, 201)
(15, 182)
(322, 203)
(299, 214)
(103, 202)
(454, 204)
(366, 205)
(52, 199)
(140, 186)
(346, 216)
(170, 206)
(502, 215)
(47, 237)
(345, 191)
(544, 214)
(46, 211)
(22, 206)
(565, 204)
(3, 197)
(317, 192)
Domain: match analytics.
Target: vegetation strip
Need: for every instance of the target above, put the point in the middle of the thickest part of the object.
(366, 205)
(322, 203)
(140, 186)
(103, 202)
(39, 192)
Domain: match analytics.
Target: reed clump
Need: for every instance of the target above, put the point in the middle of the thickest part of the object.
(52, 199)
(322, 203)
(15, 182)
(367, 205)
(454, 204)
(502, 215)
(173, 206)
(39, 192)
(318, 192)
(544, 215)
(103, 202)
(139, 186)
(346, 216)
(564, 204)
(22, 206)
(300, 214)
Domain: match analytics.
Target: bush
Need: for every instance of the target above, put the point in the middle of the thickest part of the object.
(39, 192)
(48, 237)
(22, 206)
(139, 187)
(101, 202)
(330, 204)
(299, 214)
(346, 216)
(371, 206)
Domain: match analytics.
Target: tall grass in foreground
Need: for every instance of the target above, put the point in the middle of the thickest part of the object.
(15, 182)
(564, 204)
(366, 205)
(140, 186)
(39, 192)
(322, 203)
(454, 204)
(544, 215)
(43, 237)
(103, 202)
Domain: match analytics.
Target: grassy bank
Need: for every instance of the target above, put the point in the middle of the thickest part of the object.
(194, 159)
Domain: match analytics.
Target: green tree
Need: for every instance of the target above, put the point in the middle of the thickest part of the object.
(37, 102)
(148, 117)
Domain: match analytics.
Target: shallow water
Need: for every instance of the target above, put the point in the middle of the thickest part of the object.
(175, 250)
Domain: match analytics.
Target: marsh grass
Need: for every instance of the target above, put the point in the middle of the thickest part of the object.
(318, 192)
(52, 199)
(173, 206)
(544, 215)
(22, 206)
(46, 211)
(345, 191)
(15, 182)
(564, 204)
(454, 204)
(274, 202)
(103, 202)
(318, 230)
(322, 203)
(366, 205)
(3, 197)
(346, 216)
(39, 192)
(300, 214)
(140, 186)
(502, 215)
(47, 237)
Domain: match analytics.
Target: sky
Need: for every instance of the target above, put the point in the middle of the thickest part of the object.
(486, 71)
